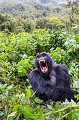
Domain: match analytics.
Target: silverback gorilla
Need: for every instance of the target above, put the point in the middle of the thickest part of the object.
(51, 81)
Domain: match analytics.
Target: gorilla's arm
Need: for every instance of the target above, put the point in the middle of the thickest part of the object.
(62, 77)
(63, 91)
(33, 75)
(38, 84)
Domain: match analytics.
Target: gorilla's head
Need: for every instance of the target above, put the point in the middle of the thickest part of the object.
(43, 63)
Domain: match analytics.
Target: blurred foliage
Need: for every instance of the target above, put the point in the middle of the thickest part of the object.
(34, 9)
(16, 25)
(74, 15)
(17, 54)
(50, 23)
(56, 22)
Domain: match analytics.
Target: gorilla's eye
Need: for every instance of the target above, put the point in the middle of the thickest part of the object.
(43, 66)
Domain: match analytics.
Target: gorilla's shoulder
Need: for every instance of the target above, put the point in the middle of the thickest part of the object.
(61, 68)
(34, 72)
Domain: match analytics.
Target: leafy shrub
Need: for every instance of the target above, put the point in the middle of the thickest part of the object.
(17, 53)
(39, 42)
(56, 23)
(57, 39)
(24, 67)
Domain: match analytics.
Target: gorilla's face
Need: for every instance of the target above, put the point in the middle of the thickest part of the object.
(44, 63)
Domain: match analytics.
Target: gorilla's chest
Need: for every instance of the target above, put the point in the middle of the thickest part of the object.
(52, 77)
(50, 81)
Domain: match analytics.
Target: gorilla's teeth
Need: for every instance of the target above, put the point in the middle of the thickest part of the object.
(42, 61)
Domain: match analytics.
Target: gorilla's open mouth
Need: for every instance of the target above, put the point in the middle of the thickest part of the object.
(43, 66)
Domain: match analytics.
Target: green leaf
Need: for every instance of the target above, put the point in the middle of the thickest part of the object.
(10, 87)
(77, 96)
(21, 71)
(37, 100)
(76, 115)
(12, 114)
(28, 93)
(15, 108)
(1, 113)
(1, 87)
(49, 107)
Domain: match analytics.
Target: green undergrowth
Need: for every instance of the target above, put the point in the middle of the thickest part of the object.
(17, 55)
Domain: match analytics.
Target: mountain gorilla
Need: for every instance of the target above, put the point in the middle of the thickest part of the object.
(51, 81)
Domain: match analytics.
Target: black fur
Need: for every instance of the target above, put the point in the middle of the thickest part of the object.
(54, 84)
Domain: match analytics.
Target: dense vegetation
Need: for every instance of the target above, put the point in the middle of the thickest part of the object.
(20, 41)
(34, 8)
(17, 53)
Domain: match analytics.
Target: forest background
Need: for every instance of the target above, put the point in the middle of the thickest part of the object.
(28, 27)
